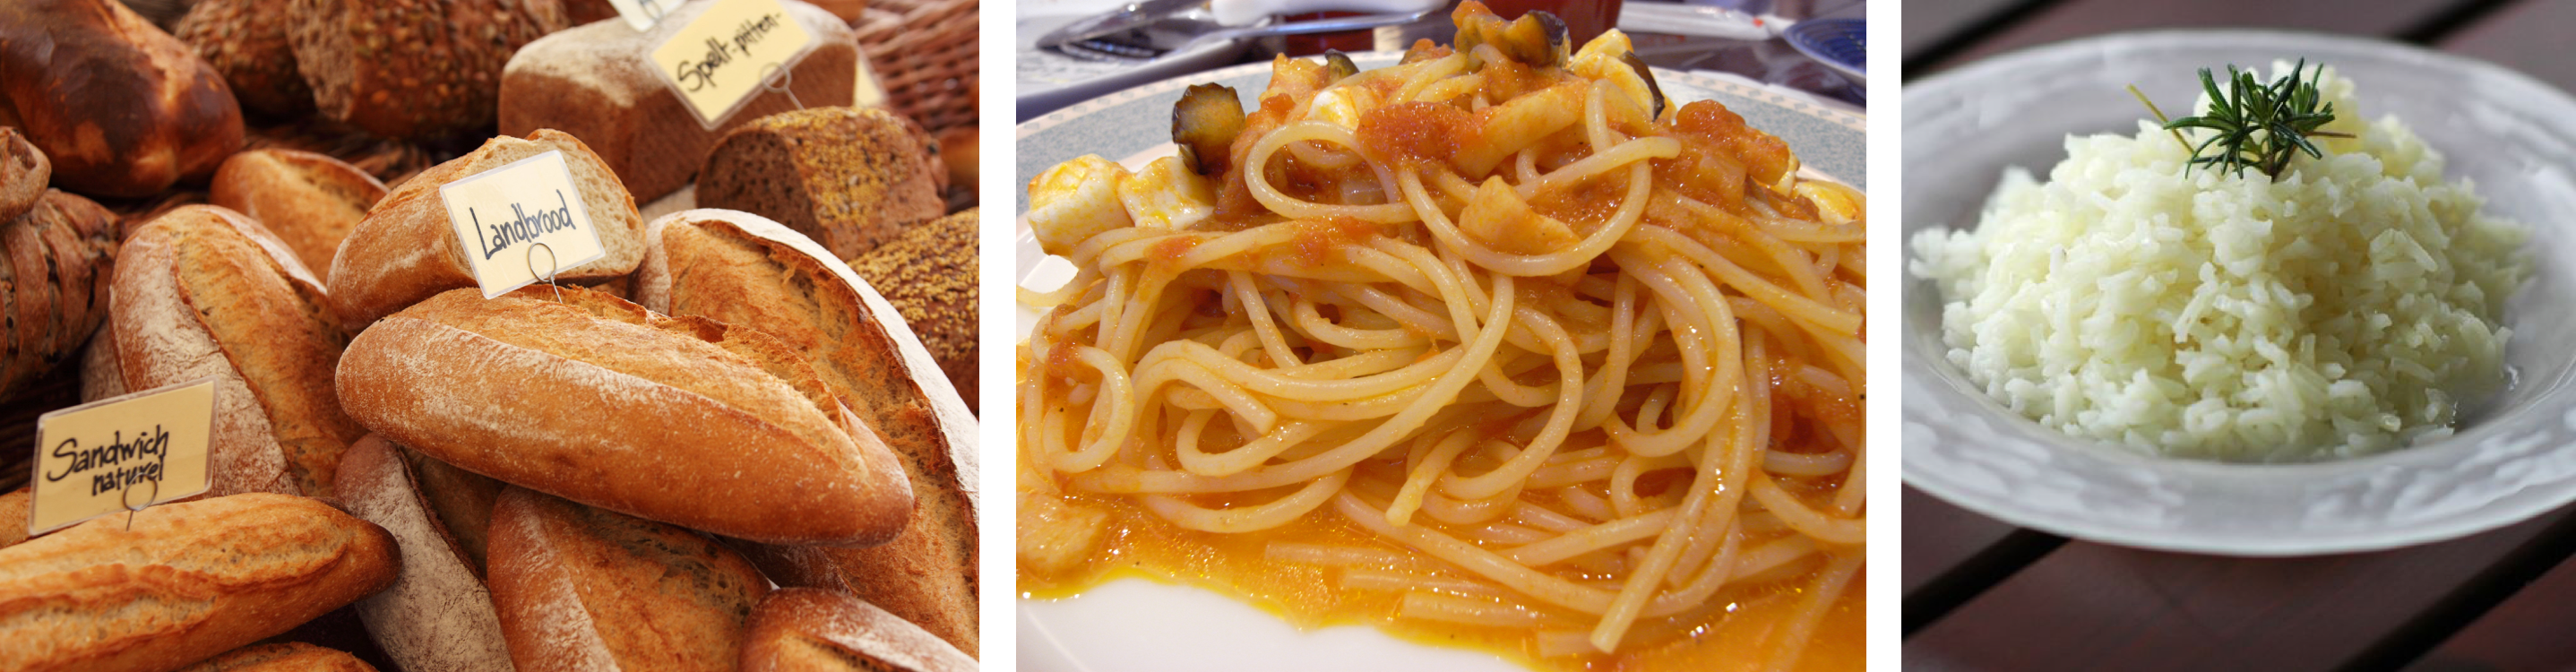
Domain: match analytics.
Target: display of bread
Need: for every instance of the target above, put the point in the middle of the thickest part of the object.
(245, 42)
(437, 616)
(582, 588)
(850, 178)
(405, 251)
(283, 657)
(413, 68)
(309, 200)
(203, 291)
(185, 582)
(809, 630)
(596, 83)
(928, 273)
(746, 270)
(121, 108)
(56, 256)
(682, 420)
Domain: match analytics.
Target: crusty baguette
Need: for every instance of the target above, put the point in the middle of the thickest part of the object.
(582, 588)
(598, 83)
(122, 108)
(188, 581)
(740, 268)
(811, 629)
(55, 264)
(285, 657)
(928, 273)
(437, 616)
(309, 200)
(461, 501)
(405, 251)
(204, 292)
(24, 172)
(850, 178)
(682, 420)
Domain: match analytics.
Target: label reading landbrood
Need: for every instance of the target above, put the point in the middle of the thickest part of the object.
(521, 222)
(716, 61)
(132, 451)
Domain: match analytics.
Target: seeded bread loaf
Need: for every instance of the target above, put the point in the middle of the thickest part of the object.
(203, 291)
(245, 42)
(188, 581)
(437, 616)
(56, 260)
(120, 107)
(285, 657)
(816, 630)
(928, 273)
(309, 200)
(405, 251)
(682, 420)
(596, 83)
(741, 269)
(850, 178)
(582, 588)
(414, 69)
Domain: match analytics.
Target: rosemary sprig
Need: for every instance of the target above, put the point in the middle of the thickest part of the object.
(2255, 125)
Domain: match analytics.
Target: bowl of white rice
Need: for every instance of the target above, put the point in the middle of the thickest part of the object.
(2368, 351)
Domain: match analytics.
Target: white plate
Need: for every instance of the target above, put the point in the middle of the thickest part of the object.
(1133, 625)
(2511, 459)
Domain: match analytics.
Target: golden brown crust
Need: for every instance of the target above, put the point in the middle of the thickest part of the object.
(285, 657)
(437, 616)
(245, 42)
(413, 69)
(581, 588)
(120, 107)
(405, 251)
(13, 516)
(685, 421)
(309, 200)
(23, 172)
(188, 581)
(850, 178)
(810, 629)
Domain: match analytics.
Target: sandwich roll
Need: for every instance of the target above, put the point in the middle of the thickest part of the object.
(687, 421)
(580, 588)
(437, 616)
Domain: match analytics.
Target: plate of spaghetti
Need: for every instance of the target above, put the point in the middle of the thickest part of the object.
(1512, 354)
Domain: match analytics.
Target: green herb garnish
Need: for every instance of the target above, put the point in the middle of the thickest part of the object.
(2257, 126)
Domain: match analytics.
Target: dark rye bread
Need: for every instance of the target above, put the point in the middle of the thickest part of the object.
(817, 630)
(23, 173)
(120, 107)
(56, 260)
(245, 41)
(850, 178)
(583, 588)
(285, 657)
(309, 200)
(437, 616)
(928, 273)
(203, 291)
(414, 69)
(742, 269)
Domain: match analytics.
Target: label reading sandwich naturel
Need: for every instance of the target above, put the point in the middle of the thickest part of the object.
(715, 62)
(135, 450)
(642, 14)
(521, 223)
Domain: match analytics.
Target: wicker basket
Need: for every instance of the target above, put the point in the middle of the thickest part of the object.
(924, 54)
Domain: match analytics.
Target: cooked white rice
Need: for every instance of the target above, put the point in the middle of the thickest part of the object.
(2347, 308)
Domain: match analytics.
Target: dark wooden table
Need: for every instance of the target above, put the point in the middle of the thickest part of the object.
(1984, 595)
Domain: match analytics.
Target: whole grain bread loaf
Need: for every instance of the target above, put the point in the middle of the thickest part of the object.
(414, 69)
(814, 630)
(283, 657)
(582, 588)
(595, 82)
(928, 273)
(245, 41)
(850, 178)
(56, 260)
(120, 107)
(437, 616)
(187, 581)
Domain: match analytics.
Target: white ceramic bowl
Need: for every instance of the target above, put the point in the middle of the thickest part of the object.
(2514, 457)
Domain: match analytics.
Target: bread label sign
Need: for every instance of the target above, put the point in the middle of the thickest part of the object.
(121, 453)
(521, 223)
(717, 62)
(642, 14)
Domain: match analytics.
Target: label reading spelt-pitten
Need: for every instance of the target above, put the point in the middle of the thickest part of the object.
(716, 62)
(521, 223)
(122, 453)
(642, 14)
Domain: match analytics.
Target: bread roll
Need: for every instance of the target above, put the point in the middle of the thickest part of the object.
(850, 178)
(121, 108)
(808, 629)
(284, 657)
(188, 581)
(405, 251)
(929, 275)
(437, 616)
(681, 420)
(204, 291)
(245, 42)
(413, 69)
(581, 588)
(596, 82)
(56, 260)
(23, 173)
(309, 200)
(750, 271)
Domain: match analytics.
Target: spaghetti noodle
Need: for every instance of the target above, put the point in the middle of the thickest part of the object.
(1487, 340)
